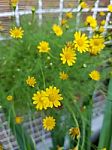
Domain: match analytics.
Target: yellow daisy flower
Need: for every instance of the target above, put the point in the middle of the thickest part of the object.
(53, 96)
(18, 120)
(14, 3)
(102, 13)
(63, 76)
(96, 44)
(69, 15)
(101, 29)
(9, 97)
(68, 56)
(81, 42)
(43, 47)
(95, 75)
(57, 30)
(110, 7)
(91, 22)
(63, 22)
(74, 132)
(16, 32)
(49, 123)
(31, 81)
(103, 22)
(83, 5)
(40, 99)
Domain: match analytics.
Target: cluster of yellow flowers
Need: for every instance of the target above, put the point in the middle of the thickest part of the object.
(81, 43)
(48, 98)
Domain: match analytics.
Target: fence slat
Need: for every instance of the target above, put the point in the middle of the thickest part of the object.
(43, 11)
(17, 15)
(40, 11)
(61, 10)
(95, 13)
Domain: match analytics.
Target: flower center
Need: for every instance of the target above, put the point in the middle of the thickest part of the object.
(80, 42)
(17, 33)
(48, 123)
(96, 42)
(51, 97)
(44, 47)
(68, 56)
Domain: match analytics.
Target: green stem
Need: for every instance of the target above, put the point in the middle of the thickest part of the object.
(83, 128)
(52, 56)
(88, 128)
(43, 77)
(76, 122)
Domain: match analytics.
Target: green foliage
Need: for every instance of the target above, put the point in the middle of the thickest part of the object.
(20, 59)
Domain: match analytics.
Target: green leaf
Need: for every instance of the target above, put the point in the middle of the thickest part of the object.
(106, 131)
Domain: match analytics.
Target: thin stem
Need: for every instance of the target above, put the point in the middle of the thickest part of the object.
(53, 56)
(43, 77)
(83, 129)
(74, 120)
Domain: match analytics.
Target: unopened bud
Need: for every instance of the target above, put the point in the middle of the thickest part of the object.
(33, 10)
(84, 65)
